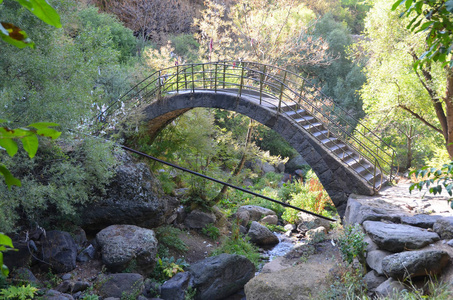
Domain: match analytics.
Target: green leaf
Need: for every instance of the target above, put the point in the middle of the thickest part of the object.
(9, 178)
(9, 144)
(396, 4)
(408, 3)
(49, 132)
(6, 240)
(4, 269)
(30, 144)
(15, 36)
(43, 11)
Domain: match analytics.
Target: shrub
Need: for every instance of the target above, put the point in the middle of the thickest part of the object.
(167, 267)
(19, 292)
(352, 244)
(211, 231)
(168, 238)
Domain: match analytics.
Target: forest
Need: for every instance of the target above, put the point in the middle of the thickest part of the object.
(372, 60)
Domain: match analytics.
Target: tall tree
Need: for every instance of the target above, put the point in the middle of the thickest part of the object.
(394, 88)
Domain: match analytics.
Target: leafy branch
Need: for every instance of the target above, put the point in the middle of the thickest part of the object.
(436, 179)
(15, 36)
(29, 137)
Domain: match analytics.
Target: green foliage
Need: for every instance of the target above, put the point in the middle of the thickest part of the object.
(186, 46)
(434, 18)
(19, 292)
(211, 231)
(352, 244)
(434, 180)
(269, 140)
(345, 283)
(6, 244)
(166, 268)
(29, 138)
(18, 37)
(55, 182)
(168, 238)
(91, 297)
(190, 293)
(238, 244)
(312, 197)
(166, 182)
(275, 228)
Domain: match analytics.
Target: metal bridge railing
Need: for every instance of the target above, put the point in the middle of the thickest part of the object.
(275, 88)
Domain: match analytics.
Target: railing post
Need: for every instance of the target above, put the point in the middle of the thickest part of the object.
(262, 77)
(215, 78)
(374, 175)
(177, 79)
(204, 78)
(185, 78)
(242, 81)
(281, 93)
(391, 165)
(193, 81)
(224, 71)
(160, 85)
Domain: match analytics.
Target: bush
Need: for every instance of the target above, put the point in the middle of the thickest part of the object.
(211, 231)
(352, 245)
(168, 238)
(55, 182)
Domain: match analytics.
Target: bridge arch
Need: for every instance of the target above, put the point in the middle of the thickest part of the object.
(345, 154)
(337, 179)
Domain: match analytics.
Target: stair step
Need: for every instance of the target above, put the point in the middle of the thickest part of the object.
(321, 134)
(369, 177)
(288, 108)
(305, 120)
(364, 169)
(313, 127)
(347, 154)
(329, 141)
(299, 112)
(338, 148)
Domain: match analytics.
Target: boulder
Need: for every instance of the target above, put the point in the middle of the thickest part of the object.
(219, 276)
(80, 286)
(120, 285)
(267, 168)
(133, 197)
(58, 250)
(280, 168)
(199, 219)
(374, 260)
(19, 258)
(444, 227)
(373, 280)
(415, 263)
(423, 221)
(86, 254)
(316, 235)
(398, 237)
(56, 295)
(271, 219)
(261, 235)
(358, 212)
(297, 162)
(311, 222)
(255, 213)
(24, 275)
(389, 287)
(122, 245)
(175, 288)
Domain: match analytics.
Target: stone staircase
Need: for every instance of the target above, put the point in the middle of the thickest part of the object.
(345, 153)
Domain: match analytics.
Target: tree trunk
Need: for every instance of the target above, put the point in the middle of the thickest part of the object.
(409, 147)
(239, 167)
(449, 112)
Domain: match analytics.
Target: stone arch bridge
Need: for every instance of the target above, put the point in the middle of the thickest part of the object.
(345, 155)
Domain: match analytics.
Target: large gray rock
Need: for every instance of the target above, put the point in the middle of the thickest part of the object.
(373, 280)
(120, 285)
(255, 213)
(56, 295)
(261, 235)
(397, 237)
(121, 244)
(415, 263)
(271, 219)
(423, 221)
(133, 197)
(220, 276)
(199, 219)
(374, 259)
(389, 288)
(444, 227)
(358, 212)
(58, 250)
(267, 168)
(175, 288)
(308, 221)
(295, 163)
